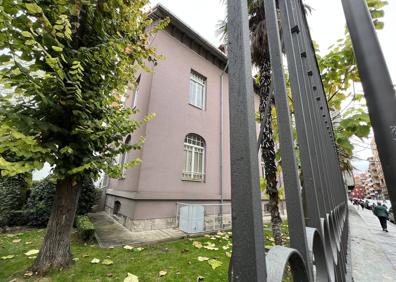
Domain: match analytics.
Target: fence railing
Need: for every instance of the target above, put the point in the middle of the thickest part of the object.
(319, 231)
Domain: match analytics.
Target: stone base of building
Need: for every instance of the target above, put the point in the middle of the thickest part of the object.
(138, 225)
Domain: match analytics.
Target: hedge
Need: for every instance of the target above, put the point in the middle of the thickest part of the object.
(85, 228)
(13, 191)
(42, 197)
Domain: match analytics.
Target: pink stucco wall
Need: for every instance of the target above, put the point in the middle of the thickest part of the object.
(165, 93)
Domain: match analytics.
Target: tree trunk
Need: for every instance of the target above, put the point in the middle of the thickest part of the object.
(55, 252)
(268, 153)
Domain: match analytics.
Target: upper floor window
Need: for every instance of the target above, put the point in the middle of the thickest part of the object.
(197, 90)
(194, 158)
(123, 158)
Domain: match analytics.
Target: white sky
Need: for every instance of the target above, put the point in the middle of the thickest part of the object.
(327, 24)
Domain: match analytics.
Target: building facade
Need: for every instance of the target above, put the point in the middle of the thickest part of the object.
(377, 176)
(185, 157)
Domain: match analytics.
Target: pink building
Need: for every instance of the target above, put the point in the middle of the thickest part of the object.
(185, 157)
(181, 157)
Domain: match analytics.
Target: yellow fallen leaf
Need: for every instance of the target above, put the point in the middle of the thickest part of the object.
(162, 273)
(200, 278)
(214, 263)
(197, 244)
(127, 247)
(202, 258)
(228, 254)
(32, 252)
(226, 247)
(8, 257)
(131, 278)
(16, 240)
(95, 260)
(107, 262)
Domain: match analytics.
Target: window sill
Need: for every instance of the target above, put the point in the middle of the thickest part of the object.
(194, 106)
(193, 180)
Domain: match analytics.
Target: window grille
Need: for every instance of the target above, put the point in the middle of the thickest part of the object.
(194, 158)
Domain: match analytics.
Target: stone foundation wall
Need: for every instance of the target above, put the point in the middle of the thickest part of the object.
(139, 225)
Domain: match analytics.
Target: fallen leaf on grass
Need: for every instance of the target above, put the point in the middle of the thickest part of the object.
(210, 246)
(228, 254)
(8, 257)
(32, 252)
(107, 262)
(127, 247)
(197, 244)
(85, 255)
(131, 278)
(95, 260)
(32, 257)
(226, 247)
(28, 274)
(11, 235)
(162, 273)
(28, 243)
(16, 240)
(109, 274)
(76, 259)
(200, 278)
(203, 258)
(138, 249)
(214, 263)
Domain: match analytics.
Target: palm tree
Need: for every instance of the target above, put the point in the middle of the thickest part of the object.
(261, 59)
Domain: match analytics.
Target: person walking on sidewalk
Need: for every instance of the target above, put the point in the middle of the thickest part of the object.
(382, 213)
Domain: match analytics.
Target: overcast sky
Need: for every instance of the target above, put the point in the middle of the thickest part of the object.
(327, 24)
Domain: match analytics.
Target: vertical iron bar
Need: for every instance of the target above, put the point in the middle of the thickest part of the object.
(298, 239)
(378, 88)
(248, 256)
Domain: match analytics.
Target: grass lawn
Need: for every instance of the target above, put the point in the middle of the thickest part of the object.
(179, 259)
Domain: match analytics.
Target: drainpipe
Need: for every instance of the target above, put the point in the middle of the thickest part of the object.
(221, 141)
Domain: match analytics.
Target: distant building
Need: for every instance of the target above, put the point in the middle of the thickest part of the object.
(358, 191)
(376, 174)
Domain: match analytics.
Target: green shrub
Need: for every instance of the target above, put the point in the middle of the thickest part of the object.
(85, 228)
(40, 203)
(19, 218)
(42, 197)
(12, 196)
(87, 197)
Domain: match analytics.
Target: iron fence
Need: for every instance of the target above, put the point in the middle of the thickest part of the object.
(318, 229)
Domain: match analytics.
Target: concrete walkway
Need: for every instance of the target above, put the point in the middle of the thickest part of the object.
(373, 251)
(110, 233)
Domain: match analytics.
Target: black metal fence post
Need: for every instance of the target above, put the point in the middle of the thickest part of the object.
(378, 88)
(248, 257)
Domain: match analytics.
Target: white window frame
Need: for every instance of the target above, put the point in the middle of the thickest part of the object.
(196, 78)
(194, 174)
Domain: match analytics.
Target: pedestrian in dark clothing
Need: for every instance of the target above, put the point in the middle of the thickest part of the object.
(382, 213)
(362, 205)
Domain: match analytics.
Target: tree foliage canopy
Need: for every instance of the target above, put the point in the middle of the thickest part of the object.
(68, 65)
(339, 74)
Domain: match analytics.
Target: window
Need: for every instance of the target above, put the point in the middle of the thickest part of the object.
(197, 90)
(194, 158)
(136, 92)
(123, 158)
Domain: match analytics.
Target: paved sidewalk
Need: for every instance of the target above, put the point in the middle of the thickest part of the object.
(110, 233)
(373, 251)
(386, 240)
